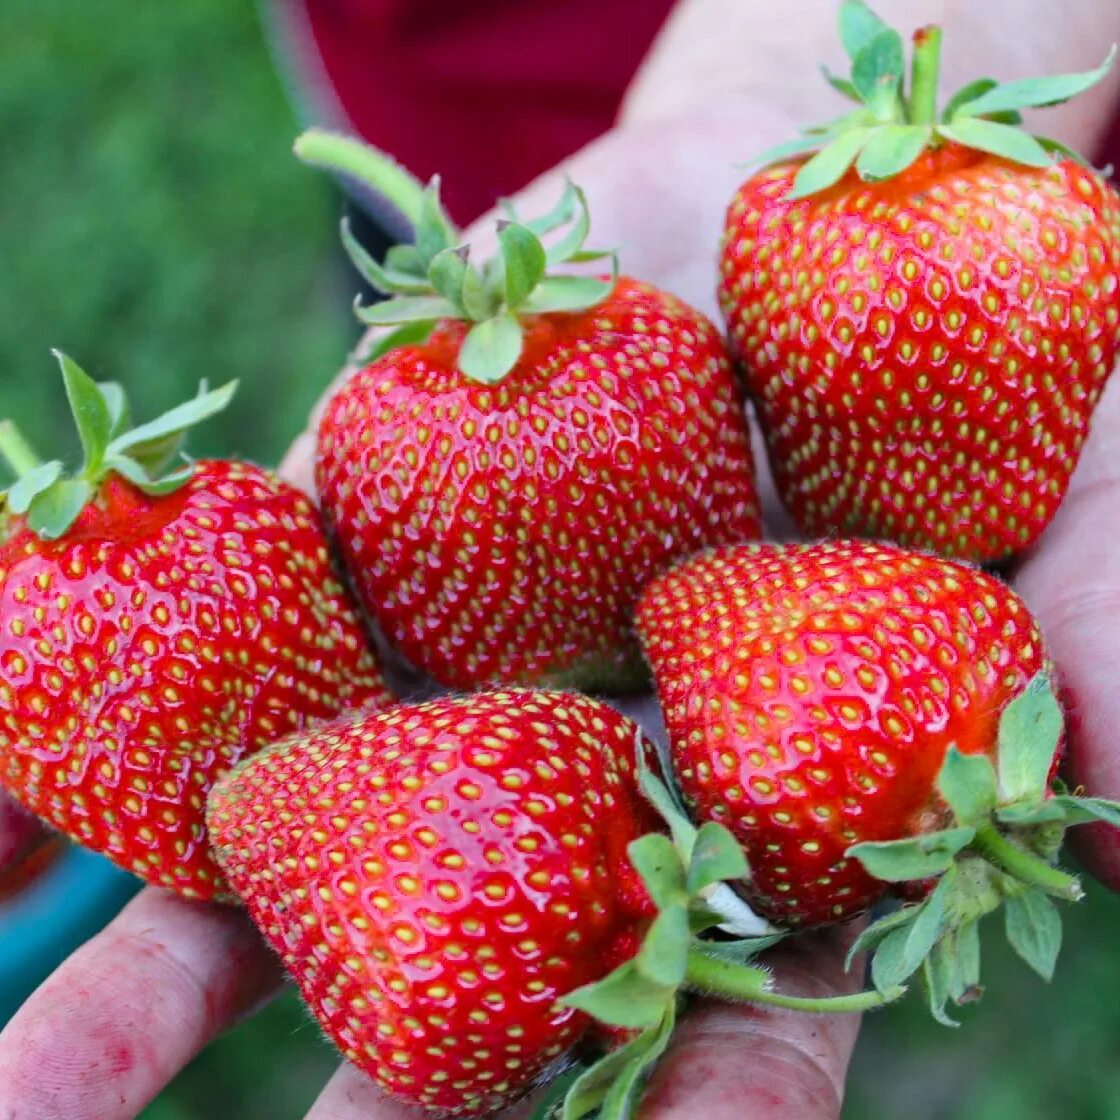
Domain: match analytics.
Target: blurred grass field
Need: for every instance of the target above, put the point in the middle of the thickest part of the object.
(153, 224)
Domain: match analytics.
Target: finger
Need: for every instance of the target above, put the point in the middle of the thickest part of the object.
(20, 832)
(350, 1095)
(1072, 582)
(753, 1062)
(112, 1026)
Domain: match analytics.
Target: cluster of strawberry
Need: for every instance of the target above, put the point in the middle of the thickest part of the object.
(541, 482)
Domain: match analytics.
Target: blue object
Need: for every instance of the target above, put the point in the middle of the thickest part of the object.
(63, 906)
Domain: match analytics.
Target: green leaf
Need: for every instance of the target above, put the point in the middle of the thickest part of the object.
(829, 165)
(590, 1090)
(780, 152)
(841, 85)
(935, 980)
(117, 403)
(888, 963)
(924, 931)
(877, 73)
(623, 998)
(54, 510)
(552, 219)
(742, 949)
(968, 784)
(1056, 147)
(524, 262)
(406, 259)
(446, 274)
(140, 440)
(571, 244)
(434, 230)
(659, 865)
(1034, 929)
(968, 92)
(890, 149)
(1082, 810)
(874, 933)
(28, 486)
(623, 1096)
(1030, 730)
(716, 856)
(569, 293)
(859, 25)
(90, 410)
(1032, 812)
(672, 812)
(379, 277)
(1034, 93)
(491, 348)
(407, 309)
(408, 334)
(998, 139)
(550, 1102)
(147, 481)
(476, 298)
(663, 955)
(918, 857)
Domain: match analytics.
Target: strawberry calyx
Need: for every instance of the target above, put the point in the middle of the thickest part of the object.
(150, 456)
(1008, 823)
(702, 941)
(892, 127)
(433, 279)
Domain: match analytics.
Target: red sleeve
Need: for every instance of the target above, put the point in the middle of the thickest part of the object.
(488, 92)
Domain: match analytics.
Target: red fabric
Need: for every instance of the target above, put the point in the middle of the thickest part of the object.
(488, 92)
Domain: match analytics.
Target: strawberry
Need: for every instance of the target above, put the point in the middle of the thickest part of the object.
(159, 624)
(504, 478)
(456, 885)
(925, 310)
(864, 719)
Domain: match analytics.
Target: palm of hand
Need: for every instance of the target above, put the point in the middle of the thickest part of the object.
(115, 1023)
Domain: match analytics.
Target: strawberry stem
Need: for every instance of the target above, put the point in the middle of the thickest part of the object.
(992, 844)
(727, 980)
(925, 66)
(15, 450)
(344, 156)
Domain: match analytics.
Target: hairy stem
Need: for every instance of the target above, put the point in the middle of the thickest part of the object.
(346, 156)
(15, 450)
(925, 65)
(726, 980)
(1023, 865)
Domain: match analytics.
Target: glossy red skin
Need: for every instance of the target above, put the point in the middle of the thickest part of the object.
(436, 876)
(155, 644)
(811, 692)
(503, 533)
(926, 352)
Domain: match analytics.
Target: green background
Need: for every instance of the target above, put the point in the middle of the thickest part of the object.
(153, 224)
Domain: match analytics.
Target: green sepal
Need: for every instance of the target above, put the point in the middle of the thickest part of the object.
(859, 25)
(742, 950)
(90, 411)
(405, 259)
(614, 1080)
(28, 486)
(1034, 929)
(873, 934)
(716, 857)
(148, 443)
(915, 857)
(798, 146)
(1084, 810)
(476, 298)
(663, 955)
(434, 230)
(1056, 147)
(967, 782)
(659, 865)
(569, 293)
(877, 74)
(447, 273)
(569, 248)
(491, 348)
(1030, 729)
(406, 309)
(116, 401)
(952, 971)
(901, 952)
(55, 509)
(623, 998)
(1020, 813)
(843, 86)
(382, 278)
(829, 165)
(407, 334)
(523, 260)
(155, 485)
(549, 1102)
(1033, 93)
(998, 139)
(890, 149)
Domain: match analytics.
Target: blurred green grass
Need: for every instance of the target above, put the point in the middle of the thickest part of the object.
(153, 223)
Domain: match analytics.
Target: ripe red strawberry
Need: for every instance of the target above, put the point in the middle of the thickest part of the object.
(504, 484)
(156, 628)
(435, 877)
(455, 886)
(926, 310)
(825, 696)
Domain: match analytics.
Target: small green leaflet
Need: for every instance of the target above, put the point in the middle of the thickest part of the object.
(877, 74)
(658, 863)
(829, 165)
(859, 25)
(623, 998)
(663, 955)
(891, 148)
(491, 348)
(90, 410)
(406, 309)
(999, 139)
(918, 857)
(874, 933)
(55, 509)
(24, 490)
(1034, 929)
(905, 947)
(1030, 729)
(968, 784)
(716, 857)
(524, 262)
(382, 278)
